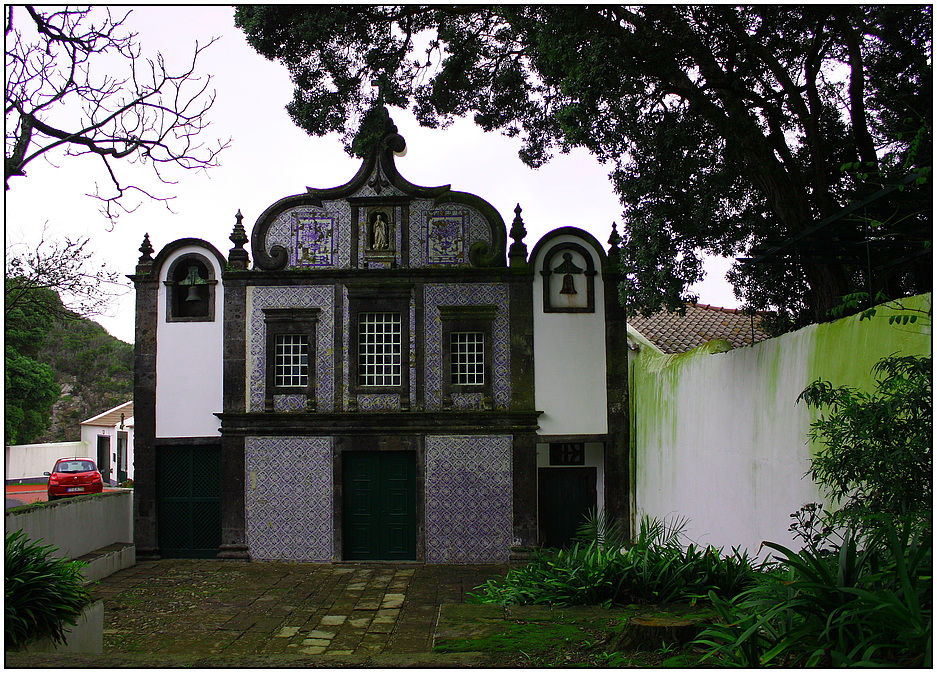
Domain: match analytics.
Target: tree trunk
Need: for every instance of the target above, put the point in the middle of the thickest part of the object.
(651, 632)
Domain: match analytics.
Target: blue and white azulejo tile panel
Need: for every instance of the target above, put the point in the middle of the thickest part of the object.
(288, 498)
(469, 498)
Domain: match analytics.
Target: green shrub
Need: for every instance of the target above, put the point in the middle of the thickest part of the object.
(867, 604)
(43, 594)
(601, 571)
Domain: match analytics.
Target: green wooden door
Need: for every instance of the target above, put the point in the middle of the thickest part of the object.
(566, 494)
(379, 509)
(188, 500)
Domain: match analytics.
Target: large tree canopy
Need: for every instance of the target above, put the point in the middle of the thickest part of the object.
(727, 128)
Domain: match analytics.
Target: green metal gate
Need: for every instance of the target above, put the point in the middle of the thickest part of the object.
(379, 513)
(188, 500)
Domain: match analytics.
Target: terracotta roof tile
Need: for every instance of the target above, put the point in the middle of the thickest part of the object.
(674, 333)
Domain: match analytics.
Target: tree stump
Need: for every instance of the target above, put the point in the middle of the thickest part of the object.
(652, 632)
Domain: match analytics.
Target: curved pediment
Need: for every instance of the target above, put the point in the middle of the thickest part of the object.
(379, 219)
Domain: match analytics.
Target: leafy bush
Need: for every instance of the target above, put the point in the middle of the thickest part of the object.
(601, 571)
(868, 605)
(43, 594)
(877, 454)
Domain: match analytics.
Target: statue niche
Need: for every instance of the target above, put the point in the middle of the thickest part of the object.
(380, 235)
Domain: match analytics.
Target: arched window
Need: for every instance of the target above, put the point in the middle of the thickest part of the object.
(190, 290)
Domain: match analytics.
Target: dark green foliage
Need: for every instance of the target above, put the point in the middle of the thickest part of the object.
(43, 594)
(656, 569)
(877, 456)
(47, 349)
(29, 384)
(868, 604)
(727, 127)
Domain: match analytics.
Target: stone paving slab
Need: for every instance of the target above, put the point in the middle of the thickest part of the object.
(340, 613)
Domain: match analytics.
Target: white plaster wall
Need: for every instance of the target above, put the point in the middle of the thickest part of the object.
(569, 360)
(725, 446)
(25, 461)
(719, 439)
(189, 361)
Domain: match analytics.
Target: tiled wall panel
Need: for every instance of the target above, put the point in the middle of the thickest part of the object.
(469, 496)
(310, 296)
(289, 498)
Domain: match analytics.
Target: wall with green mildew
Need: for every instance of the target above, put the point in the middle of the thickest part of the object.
(717, 436)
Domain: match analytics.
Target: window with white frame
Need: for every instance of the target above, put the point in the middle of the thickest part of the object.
(291, 361)
(467, 353)
(379, 349)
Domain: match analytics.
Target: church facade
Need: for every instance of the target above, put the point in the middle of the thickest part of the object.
(381, 377)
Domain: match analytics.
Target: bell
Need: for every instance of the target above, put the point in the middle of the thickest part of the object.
(568, 286)
(193, 280)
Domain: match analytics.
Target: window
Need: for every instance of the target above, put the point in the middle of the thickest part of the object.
(291, 338)
(291, 361)
(467, 353)
(379, 349)
(379, 354)
(568, 453)
(466, 357)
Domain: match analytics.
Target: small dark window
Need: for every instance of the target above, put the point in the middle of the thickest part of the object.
(571, 453)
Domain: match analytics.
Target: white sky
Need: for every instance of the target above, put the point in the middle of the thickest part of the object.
(270, 158)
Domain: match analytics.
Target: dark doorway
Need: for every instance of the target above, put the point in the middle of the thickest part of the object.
(121, 457)
(379, 512)
(188, 500)
(566, 494)
(104, 458)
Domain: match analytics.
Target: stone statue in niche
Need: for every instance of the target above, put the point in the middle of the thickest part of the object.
(380, 232)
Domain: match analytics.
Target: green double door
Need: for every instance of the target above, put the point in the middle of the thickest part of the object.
(188, 500)
(379, 505)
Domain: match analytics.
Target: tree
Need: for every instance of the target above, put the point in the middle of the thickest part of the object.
(63, 267)
(726, 127)
(63, 96)
(29, 385)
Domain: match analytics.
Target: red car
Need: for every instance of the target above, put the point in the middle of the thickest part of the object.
(74, 476)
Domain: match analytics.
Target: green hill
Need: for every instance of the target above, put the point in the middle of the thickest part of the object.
(94, 370)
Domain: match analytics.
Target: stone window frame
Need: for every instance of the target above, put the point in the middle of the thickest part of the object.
(379, 298)
(173, 288)
(477, 318)
(549, 262)
(279, 321)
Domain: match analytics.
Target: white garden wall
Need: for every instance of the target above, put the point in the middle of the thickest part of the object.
(29, 461)
(717, 437)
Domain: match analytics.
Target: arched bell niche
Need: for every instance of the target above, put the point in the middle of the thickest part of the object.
(190, 289)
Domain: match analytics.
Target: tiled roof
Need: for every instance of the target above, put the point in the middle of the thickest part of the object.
(111, 417)
(675, 333)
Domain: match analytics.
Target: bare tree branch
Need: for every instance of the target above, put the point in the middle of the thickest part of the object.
(61, 97)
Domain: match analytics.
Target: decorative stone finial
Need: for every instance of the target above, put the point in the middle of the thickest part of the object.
(614, 252)
(237, 256)
(518, 251)
(147, 249)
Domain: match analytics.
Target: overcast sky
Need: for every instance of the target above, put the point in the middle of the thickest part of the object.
(270, 158)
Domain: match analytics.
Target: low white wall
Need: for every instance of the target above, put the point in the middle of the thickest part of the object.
(77, 526)
(87, 635)
(29, 461)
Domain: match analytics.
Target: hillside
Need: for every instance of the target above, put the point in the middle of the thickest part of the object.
(94, 370)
